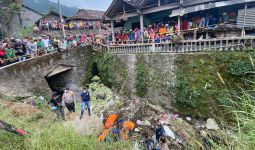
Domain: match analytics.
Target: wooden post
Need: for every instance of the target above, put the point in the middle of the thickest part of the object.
(141, 26)
(112, 27)
(244, 20)
(195, 35)
(179, 25)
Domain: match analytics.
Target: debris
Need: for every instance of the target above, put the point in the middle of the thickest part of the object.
(129, 125)
(136, 146)
(103, 135)
(164, 117)
(139, 122)
(110, 121)
(211, 124)
(137, 130)
(169, 132)
(175, 116)
(188, 118)
(157, 108)
(147, 123)
(10, 128)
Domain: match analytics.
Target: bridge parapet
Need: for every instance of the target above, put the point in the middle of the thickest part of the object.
(185, 46)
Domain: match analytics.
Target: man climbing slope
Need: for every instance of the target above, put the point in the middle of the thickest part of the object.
(57, 106)
(85, 101)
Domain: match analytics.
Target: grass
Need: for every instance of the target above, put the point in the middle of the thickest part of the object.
(243, 108)
(199, 82)
(48, 133)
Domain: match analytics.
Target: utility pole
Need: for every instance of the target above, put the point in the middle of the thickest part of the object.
(61, 20)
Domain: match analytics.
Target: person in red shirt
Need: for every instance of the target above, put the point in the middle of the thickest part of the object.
(185, 25)
(2, 54)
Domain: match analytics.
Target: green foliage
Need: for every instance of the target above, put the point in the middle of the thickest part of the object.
(59, 137)
(26, 32)
(11, 141)
(8, 9)
(108, 68)
(141, 78)
(239, 68)
(46, 133)
(198, 83)
(242, 106)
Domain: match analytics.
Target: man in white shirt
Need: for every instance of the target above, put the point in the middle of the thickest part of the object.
(45, 41)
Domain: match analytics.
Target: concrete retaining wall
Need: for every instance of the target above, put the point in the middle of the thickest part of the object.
(28, 77)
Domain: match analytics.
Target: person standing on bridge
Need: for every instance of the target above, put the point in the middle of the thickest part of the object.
(69, 99)
(85, 101)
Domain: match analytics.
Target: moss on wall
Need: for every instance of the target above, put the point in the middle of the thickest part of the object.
(142, 77)
(204, 81)
(111, 71)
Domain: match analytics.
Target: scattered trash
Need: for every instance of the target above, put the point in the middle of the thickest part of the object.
(147, 123)
(169, 132)
(188, 118)
(103, 135)
(10, 128)
(175, 116)
(139, 122)
(211, 124)
(129, 125)
(110, 121)
(137, 130)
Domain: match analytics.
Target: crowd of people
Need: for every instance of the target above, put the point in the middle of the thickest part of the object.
(168, 30)
(52, 24)
(18, 50)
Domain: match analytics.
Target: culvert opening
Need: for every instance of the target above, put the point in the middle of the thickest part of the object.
(95, 71)
(58, 82)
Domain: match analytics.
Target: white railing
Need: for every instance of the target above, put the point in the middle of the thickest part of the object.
(185, 46)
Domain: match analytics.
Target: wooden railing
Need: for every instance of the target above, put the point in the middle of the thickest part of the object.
(185, 46)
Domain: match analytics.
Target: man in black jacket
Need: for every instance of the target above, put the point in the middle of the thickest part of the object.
(57, 106)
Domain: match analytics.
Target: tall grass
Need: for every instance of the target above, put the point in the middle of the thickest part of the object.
(59, 137)
(48, 133)
(243, 108)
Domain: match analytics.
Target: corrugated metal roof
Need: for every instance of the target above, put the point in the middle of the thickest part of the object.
(182, 11)
(249, 20)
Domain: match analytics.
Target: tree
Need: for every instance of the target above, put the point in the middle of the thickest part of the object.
(9, 8)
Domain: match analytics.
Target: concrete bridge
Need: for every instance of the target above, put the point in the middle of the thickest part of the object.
(44, 73)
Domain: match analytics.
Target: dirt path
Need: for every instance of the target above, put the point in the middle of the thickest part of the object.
(88, 125)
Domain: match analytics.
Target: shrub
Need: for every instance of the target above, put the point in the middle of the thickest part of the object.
(239, 68)
(141, 78)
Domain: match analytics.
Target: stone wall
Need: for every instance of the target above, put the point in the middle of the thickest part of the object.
(161, 75)
(29, 17)
(28, 77)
